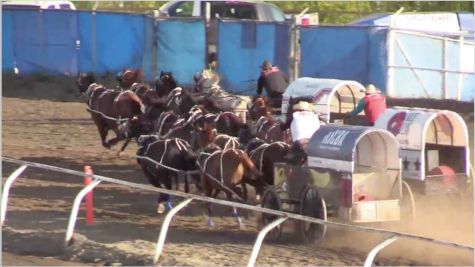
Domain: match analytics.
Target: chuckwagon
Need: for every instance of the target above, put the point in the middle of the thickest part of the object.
(434, 148)
(353, 173)
(331, 98)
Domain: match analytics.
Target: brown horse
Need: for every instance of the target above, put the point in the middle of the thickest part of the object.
(229, 123)
(108, 108)
(224, 170)
(128, 77)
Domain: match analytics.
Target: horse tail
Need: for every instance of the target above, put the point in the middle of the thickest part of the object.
(247, 162)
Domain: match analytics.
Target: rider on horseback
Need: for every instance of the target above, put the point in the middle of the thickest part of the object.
(275, 83)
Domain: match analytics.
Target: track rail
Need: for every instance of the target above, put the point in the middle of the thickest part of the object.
(98, 178)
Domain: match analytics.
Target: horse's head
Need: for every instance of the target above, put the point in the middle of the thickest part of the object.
(128, 77)
(84, 80)
(203, 136)
(259, 107)
(165, 83)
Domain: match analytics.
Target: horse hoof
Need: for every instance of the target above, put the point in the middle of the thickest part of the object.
(210, 223)
(161, 208)
(258, 198)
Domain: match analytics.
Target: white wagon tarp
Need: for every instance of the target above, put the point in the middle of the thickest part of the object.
(417, 128)
(327, 95)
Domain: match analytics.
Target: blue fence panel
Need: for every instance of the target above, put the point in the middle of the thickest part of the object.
(335, 52)
(181, 48)
(86, 50)
(7, 40)
(243, 46)
(27, 45)
(118, 40)
(148, 58)
(60, 34)
(378, 57)
(42, 41)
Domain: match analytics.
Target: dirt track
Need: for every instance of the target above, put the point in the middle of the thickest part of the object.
(127, 227)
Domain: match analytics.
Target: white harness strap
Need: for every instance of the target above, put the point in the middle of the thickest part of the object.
(182, 144)
(210, 156)
(162, 122)
(121, 93)
(270, 129)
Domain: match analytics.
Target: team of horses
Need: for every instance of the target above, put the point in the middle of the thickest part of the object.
(191, 135)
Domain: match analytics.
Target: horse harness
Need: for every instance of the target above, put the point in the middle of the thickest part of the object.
(263, 148)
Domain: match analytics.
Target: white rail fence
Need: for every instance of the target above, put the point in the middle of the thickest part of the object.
(392, 235)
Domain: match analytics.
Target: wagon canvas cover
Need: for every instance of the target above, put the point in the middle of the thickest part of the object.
(335, 147)
(321, 92)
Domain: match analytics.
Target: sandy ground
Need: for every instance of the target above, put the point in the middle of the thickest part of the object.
(126, 225)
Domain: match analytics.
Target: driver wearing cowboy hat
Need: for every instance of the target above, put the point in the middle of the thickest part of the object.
(274, 81)
(373, 104)
(303, 124)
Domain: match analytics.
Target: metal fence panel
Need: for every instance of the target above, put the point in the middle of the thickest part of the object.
(431, 67)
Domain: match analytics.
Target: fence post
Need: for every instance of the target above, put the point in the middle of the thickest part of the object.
(89, 198)
(75, 209)
(369, 260)
(260, 238)
(164, 229)
(6, 189)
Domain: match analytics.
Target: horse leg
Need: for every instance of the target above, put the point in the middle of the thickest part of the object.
(103, 133)
(123, 146)
(234, 210)
(162, 198)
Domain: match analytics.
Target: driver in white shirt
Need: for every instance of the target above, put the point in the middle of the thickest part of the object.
(303, 124)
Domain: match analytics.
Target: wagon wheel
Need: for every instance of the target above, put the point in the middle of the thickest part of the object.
(271, 200)
(312, 205)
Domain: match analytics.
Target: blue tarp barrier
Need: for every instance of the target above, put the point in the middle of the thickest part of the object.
(243, 46)
(7, 44)
(181, 48)
(335, 53)
(40, 41)
(110, 41)
(60, 31)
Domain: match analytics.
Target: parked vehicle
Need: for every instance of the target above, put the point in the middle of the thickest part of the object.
(213, 10)
(64, 5)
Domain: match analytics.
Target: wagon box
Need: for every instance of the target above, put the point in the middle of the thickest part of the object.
(352, 173)
(434, 147)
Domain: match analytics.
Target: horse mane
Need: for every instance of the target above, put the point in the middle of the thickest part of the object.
(209, 74)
